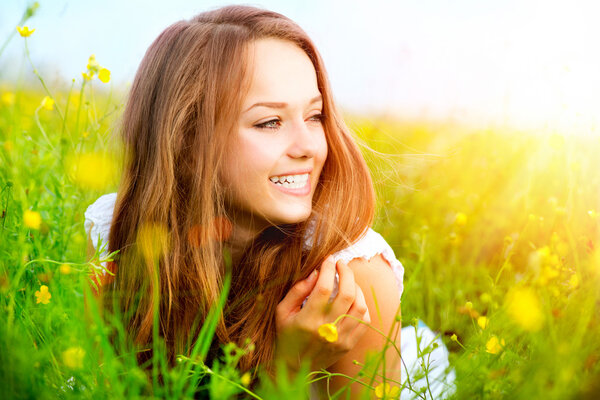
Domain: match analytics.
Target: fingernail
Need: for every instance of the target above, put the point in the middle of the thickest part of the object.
(313, 274)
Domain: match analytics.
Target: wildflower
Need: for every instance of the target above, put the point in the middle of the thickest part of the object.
(547, 274)
(328, 332)
(485, 297)
(245, 379)
(152, 241)
(43, 295)
(494, 346)
(104, 75)
(65, 269)
(73, 357)
(32, 219)
(574, 281)
(47, 103)
(482, 322)
(460, 219)
(468, 310)
(454, 338)
(91, 170)
(8, 98)
(386, 390)
(25, 31)
(86, 76)
(92, 64)
(524, 308)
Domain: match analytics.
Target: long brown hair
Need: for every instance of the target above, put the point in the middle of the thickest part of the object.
(182, 109)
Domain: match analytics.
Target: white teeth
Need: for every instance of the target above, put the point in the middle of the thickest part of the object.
(291, 181)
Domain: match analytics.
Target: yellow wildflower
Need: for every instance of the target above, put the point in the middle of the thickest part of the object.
(328, 332)
(386, 390)
(91, 170)
(494, 346)
(524, 308)
(547, 274)
(469, 305)
(454, 338)
(104, 75)
(65, 269)
(460, 219)
(47, 103)
(574, 281)
(73, 357)
(92, 64)
(25, 31)
(482, 322)
(245, 379)
(485, 297)
(8, 98)
(152, 241)
(43, 295)
(86, 76)
(32, 219)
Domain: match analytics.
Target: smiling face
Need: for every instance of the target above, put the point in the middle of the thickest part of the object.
(274, 161)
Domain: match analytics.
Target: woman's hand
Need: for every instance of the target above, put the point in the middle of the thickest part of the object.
(297, 326)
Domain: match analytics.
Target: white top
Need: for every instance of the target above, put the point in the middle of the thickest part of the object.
(372, 243)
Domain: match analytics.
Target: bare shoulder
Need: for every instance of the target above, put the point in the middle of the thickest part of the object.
(376, 278)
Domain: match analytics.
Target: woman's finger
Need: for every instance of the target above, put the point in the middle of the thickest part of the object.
(295, 297)
(319, 297)
(358, 311)
(346, 291)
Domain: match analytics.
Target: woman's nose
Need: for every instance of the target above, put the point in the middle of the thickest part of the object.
(303, 140)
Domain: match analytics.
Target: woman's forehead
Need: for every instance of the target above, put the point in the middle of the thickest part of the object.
(281, 72)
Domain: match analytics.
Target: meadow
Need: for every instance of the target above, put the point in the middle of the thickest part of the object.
(497, 229)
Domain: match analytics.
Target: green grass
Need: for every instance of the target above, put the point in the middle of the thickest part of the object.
(487, 223)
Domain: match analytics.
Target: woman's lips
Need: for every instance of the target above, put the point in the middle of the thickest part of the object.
(302, 191)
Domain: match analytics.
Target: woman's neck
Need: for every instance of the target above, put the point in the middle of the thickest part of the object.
(242, 235)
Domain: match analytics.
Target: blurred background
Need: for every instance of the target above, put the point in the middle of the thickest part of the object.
(524, 64)
(478, 120)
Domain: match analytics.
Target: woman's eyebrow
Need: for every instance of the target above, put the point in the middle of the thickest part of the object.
(280, 105)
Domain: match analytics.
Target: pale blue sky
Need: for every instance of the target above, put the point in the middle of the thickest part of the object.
(527, 63)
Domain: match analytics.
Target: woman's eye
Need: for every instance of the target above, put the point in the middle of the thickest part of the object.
(268, 125)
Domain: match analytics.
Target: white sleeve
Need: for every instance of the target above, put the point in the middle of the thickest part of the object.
(370, 245)
(98, 218)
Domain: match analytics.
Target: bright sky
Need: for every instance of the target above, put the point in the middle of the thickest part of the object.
(523, 63)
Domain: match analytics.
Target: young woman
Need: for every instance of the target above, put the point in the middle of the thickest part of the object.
(234, 146)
